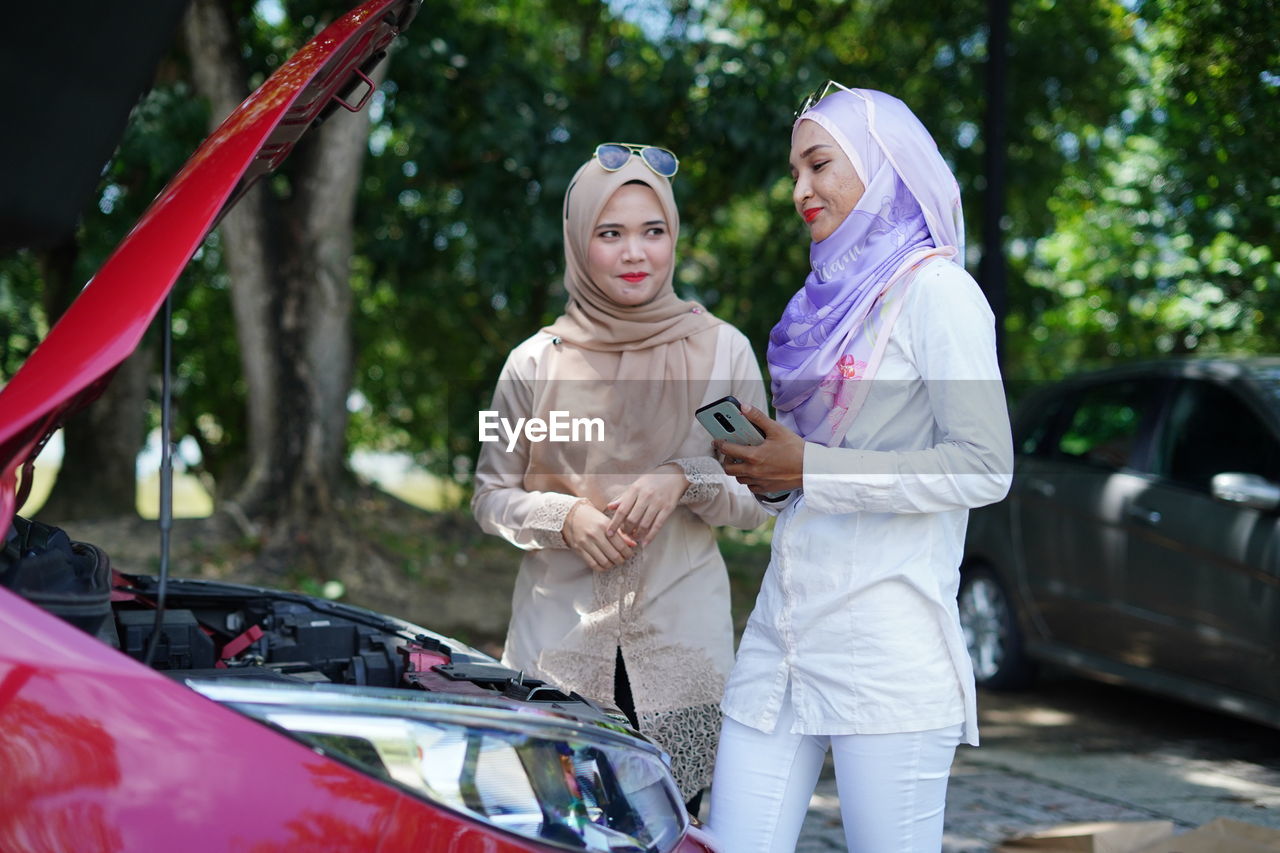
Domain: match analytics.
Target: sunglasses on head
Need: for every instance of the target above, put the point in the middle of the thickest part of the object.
(614, 155)
(818, 94)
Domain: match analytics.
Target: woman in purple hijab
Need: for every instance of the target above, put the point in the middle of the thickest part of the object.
(891, 426)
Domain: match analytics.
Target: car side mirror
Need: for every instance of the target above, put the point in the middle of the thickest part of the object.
(1247, 489)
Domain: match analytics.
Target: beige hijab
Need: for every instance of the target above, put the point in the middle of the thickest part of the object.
(641, 369)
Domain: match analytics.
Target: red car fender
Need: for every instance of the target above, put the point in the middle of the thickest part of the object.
(98, 752)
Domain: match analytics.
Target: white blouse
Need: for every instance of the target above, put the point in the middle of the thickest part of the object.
(857, 612)
(667, 607)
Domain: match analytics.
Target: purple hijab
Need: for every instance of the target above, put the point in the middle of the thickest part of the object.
(831, 336)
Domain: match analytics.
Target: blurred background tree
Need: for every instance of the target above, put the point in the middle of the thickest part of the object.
(1169, 247)
(486, 120)
(1142, 182)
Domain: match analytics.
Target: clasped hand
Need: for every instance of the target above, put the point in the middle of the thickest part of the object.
(776, 465)
(608, 539)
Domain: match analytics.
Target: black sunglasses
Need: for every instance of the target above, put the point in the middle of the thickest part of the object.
(614, 155)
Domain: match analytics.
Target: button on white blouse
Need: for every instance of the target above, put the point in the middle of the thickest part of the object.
(857, 613)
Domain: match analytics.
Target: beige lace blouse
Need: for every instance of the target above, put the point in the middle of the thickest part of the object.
(667, 607)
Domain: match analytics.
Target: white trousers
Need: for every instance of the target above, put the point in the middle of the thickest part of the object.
(892, 787)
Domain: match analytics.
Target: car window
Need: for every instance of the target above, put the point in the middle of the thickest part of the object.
(1211, 430)
(1103, 427)
(1035, 428)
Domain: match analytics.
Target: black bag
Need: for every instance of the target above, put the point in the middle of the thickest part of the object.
(72, 580)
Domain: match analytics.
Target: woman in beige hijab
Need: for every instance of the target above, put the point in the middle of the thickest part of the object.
(622, 594)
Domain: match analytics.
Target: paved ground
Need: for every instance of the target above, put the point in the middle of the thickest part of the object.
(987, 802)
(1076, 751)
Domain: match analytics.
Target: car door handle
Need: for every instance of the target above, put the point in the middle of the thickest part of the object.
(1141, 513)
(1042, 488)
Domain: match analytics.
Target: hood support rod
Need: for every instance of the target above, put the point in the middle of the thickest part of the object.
(166, 473)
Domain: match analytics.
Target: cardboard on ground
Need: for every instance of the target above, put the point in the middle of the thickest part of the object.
(1220, 835)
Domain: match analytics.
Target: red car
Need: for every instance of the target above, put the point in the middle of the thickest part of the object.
(267, 720)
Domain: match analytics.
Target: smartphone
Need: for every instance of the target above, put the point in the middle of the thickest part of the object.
(724, 420)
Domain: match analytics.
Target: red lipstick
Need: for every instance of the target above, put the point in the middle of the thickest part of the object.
(634, 277)
(811, 214)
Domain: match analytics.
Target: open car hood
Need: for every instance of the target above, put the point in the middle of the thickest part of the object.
(106, 322)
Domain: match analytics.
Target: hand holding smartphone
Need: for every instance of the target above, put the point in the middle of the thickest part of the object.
(724, 420)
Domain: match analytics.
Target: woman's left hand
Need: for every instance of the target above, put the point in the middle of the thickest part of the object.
(777, 465)
(646, 504)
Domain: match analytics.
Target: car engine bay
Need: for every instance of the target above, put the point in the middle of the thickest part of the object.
(213, 630)
(216, 630)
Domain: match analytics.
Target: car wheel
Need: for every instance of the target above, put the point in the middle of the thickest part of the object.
(991, 632)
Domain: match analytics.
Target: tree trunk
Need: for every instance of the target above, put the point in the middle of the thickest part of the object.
(289, 261)
(98, 476)
(220, 77)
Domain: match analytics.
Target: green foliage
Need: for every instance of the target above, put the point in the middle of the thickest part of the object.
(1168, 247)
(22, 320)
(487, 118)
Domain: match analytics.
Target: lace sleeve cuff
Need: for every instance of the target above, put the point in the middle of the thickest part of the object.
(546, 523)
(705, 478)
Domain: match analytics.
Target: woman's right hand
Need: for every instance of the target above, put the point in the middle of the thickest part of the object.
(586, 532)
(776, 465)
